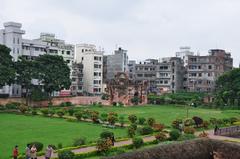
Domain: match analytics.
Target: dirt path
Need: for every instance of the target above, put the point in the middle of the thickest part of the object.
(93, 148)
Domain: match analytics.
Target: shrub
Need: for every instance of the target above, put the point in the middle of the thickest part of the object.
(71, 111)
(205, 124)
(174, 134)
(233, 119)
(51, 112)
(120, 104)
(23, 108)
(213, 121)
(203, 134)
(38, 145)
(237, 123)
(66, 154)
(189, 130)
(60, 113)
(79, 141)
(106, 135)
(44, 112)
(112, 118)
(103, 145)
(13, 105)
(104, 117)
(146, 130)
(176, 123)
(132, 118)
(141, 120)
(34, 112)
(114, 103)
(137, 142)
(198, 121)
(121, 120)
(60, 146)
(188, 122)
(185, 137)
(105, 97)
(53, 147)
(134, 126)
(135, 100)
(151, 121)
(94, 116)
(161, 136)
(158, 127)
(131, 131)
(78, 115)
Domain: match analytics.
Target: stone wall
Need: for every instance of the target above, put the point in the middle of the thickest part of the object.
(80, 100)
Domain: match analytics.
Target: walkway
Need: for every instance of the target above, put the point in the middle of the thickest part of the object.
(93, 148)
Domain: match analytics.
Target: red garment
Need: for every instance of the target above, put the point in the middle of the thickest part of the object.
(15, 152)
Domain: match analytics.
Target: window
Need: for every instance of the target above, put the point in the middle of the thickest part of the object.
(73, 79)
(62, 51)
(209, 67)
(14, 40)
(18, 50)
(36, 48)
(68, 61)
(200, 74)
(68, 52)
(18, 40)
(82, 50)
(14, 50)
(165, 82)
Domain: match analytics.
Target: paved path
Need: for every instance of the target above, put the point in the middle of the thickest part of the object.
(93, 148)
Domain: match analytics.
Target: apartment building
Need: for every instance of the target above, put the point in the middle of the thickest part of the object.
(12, 37)
(77, 79)
(203, 71)
(118, 62)
(92, 60)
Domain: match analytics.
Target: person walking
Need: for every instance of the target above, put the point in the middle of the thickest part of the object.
(48, 152)
(15, 152)
(33, 152)
(28, 151)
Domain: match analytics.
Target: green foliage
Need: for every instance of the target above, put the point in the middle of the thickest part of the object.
(104, 117)
(104, 145)
(38, 145)
(53, 72)
(176, 123)
(121, 120)
(38, 94)
(131, 131)
(151, 121)
(141, 120)
(44, 111)
(146, 130)
(34, 112)
(23, 108)
(189, 130)
(7, 70)
(185, 137)
(80, 141)
(188, 122)
(66, 154)
(112, 118)
(51, 112)
(135, 100)
(105, 97)
(137, 142)
(174, 134)
(161, 136)
(78, 115)
(134, 126)
(60, 146)
(12, 105)
(205, 124)
(106, 135)
(60, 113)
(94, 116)
(132, 118)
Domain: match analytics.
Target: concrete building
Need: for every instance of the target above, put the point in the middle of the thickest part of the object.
(92, 61)
(11, 36)
(184, 52)
(118, 62)
(203, 71)
(169, 75)
(77, 79)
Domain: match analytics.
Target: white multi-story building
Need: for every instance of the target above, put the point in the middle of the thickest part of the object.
(184, 52)
(92, 61)
(11, 36)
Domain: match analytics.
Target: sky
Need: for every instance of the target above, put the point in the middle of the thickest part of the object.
(146, 28)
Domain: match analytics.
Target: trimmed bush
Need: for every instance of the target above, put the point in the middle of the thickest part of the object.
(60, 113)
(134, 126)
(146, 130)
(174, 134)
(106, 135)
(112, 118)
(13, 105)
(188, 122)
(158, 127)
(44, 111)
(205, 124)
(66, 154)
(34, 112)
(104, 145)
(23, 108)
(189, 130)
(79, 141)
(151, 121)
(104, 117)
(137, 142)
(161, 136)
(198, 121)
(38, 145)
(71, 111)
(141, 121)
(131, 131)
(132, 118)
(78, 115)
(176, 123)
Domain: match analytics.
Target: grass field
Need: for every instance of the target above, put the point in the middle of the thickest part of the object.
(20, 129)
(167, 113)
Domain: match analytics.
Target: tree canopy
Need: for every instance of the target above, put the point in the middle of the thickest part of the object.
(228, 88)
(7, 71)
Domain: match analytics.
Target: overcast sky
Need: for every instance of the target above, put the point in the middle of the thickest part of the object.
(146, 28)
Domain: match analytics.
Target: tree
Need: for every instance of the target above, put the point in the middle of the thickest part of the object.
(132, 118)
(227, 89)
(7, 71)
(25, 72)
(53, 73)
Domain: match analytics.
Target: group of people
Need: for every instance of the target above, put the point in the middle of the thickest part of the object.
(31, 152)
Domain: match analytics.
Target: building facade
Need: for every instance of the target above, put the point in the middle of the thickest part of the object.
(11, 36)
(92, 61)
(118, 62)
(203, 71)
(77, 79)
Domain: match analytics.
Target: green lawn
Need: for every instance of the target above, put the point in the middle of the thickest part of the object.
(167, 113)
(20, 129)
